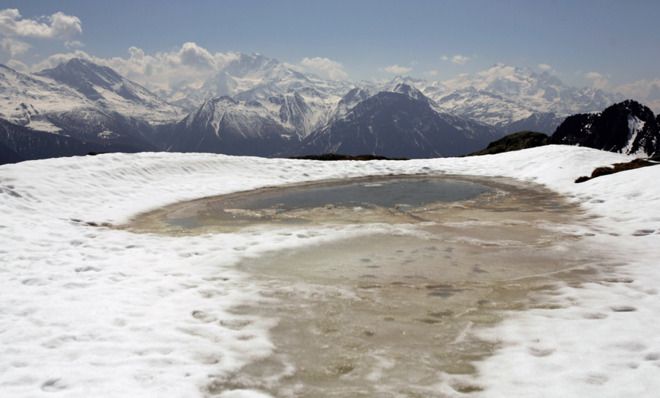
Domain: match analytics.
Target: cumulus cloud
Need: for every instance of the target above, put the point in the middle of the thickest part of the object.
(183, 68)
(324, 67)
(187, 66)
(13, 47)
(598, 80)
(397, 69)
(56, 26)
(195, 56)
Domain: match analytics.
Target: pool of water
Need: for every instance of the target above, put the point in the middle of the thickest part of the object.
(383, 192)
(311, 202)
(390, 315)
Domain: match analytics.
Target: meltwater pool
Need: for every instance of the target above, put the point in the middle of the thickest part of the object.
(389, 314)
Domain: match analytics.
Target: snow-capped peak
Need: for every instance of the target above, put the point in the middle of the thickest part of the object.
(28, 98)
(410, 91)
(503, 94)
(111, 91)
(84, 76)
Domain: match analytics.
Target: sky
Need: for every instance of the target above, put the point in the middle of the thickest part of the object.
(600, 43)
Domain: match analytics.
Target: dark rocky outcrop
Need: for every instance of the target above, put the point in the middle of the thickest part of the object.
(617, 168)
(627, 127)
(514, 142)
(19, 143)
(7, 155)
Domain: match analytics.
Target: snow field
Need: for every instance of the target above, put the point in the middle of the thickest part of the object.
(93, 311)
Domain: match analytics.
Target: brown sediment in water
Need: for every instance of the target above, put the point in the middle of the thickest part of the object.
(388, 315)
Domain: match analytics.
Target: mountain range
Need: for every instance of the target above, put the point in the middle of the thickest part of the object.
(257, 105)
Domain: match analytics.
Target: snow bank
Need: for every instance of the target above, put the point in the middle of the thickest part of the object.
(88, 311)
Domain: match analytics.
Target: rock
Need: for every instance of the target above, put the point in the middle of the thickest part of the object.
(514, 142)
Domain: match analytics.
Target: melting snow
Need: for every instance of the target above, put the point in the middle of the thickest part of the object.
(93, 311)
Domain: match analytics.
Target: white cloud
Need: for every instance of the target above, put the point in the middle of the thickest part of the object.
(397, 69)
(13, 47)
(193, 55)
(545, 67)
(55, 26)
(136, 52)
(185, 67)
(598, 80)
(73, 44)
(456, 59)
(182, 68)
(432, 72)
(59, 58)
(459, 59)
(325, 67)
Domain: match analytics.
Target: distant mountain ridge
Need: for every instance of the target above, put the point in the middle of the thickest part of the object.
(256, 105)
(504, 94)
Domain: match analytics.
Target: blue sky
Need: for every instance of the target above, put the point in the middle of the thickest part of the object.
(619, 40)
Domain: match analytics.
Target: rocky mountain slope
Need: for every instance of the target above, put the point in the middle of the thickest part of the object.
(225, 125)
(299, 100)
(19, 143)
(112, 92)
(79, 106)
(626, 127)
(398, 123)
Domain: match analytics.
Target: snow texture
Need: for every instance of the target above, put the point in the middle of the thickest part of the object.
(635, 125)
(94, 311)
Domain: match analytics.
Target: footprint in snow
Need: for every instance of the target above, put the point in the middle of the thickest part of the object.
(541, 352)
(623, 308)
(52, 385)
(643, 232)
